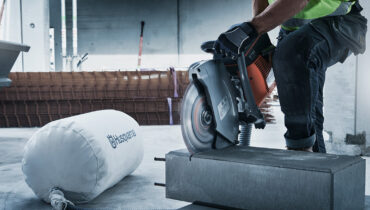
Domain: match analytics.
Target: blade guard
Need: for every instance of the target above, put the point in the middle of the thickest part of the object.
(214, 79)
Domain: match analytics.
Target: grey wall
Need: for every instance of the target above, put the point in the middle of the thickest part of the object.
(109, 30)
(204, 20)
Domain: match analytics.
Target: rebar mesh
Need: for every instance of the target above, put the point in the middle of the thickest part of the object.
(36, 98)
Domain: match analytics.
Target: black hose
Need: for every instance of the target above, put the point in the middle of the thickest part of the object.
(245, 134)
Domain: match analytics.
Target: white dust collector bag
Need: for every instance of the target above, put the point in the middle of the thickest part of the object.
(82, 155)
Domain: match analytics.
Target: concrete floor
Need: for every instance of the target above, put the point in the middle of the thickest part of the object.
(136, 191)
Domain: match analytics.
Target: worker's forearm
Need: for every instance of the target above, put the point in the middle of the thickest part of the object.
(259, 6)
(276, 14)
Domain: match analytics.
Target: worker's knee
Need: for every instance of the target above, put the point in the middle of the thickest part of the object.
(296, 56)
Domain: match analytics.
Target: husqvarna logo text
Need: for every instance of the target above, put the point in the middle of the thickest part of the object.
(114, 140)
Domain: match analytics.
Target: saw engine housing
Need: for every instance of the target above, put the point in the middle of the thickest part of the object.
(259, 68)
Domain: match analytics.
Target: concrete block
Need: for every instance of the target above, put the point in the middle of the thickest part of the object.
(259, 178)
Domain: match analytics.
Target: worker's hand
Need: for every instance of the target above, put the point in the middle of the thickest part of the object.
(236, 40)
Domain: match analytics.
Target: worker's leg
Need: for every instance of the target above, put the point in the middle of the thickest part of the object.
(300, 60)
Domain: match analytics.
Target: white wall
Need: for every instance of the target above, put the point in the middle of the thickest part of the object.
(11, 28)
(36, 13)
(363, 84)
(339, 99)
(17, 28)
(345, 111)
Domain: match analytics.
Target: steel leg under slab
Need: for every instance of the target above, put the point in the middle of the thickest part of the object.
(259, 178)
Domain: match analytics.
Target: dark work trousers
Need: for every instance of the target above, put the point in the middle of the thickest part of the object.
(300, 61)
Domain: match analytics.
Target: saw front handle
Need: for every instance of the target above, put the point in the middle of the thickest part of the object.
(252, 110)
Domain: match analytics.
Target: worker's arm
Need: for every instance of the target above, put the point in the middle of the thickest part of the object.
(259, 6)
(241, 37)
(275, 14)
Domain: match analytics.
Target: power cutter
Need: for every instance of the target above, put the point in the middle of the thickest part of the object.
(223, 98)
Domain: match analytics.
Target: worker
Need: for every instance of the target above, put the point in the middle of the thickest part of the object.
(314, 35)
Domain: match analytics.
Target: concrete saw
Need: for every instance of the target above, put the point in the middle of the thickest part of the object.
(222, 100)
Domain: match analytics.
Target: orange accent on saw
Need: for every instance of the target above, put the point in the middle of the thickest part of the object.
(258, 73)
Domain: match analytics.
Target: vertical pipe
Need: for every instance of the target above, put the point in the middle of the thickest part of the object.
(52, 50)
(6, 31)
(1, 14)
(356, 97)
(140, 45)
(74, 30)
(64, 34)
(178, 32)
(169, 101)
(21, 18)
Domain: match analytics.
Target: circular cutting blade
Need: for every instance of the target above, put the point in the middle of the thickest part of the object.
(197, 124)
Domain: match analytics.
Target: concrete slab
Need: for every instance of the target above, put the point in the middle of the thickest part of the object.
(260, 178)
